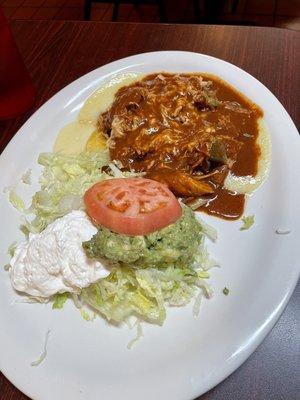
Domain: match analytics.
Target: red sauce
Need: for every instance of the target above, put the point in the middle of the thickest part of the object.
(188, 131)
(226, 204)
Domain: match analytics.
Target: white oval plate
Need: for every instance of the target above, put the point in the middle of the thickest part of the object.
(188, 355)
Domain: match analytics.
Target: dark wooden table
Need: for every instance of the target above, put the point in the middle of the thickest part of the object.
(56, 53)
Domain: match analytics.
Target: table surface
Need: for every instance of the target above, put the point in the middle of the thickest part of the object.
(57, 52)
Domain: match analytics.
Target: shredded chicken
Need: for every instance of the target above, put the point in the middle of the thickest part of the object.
(168, 126)
(181, 183)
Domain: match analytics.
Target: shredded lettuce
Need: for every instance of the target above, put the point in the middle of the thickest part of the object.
(116, 171)
(247, 222)
(59, 300)
(141, 292)
(11, 249)
(86, 316)
(44, 353)
(16, 201)
(203, 274)
(139, 334)
(144, 293)
(197, 304)
(208, 230)
(26, 178)
(64, 180)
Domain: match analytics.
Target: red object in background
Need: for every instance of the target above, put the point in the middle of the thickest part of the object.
(17, 93)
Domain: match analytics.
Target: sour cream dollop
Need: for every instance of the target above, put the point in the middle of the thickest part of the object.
(54, 261)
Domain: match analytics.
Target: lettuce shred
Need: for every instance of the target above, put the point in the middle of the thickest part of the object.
(44, 353)
(59, 300)
(247, 222)
(11, 249)
(26, 178)
(144, 293)
(64, 180)
(86, 316)
(139, 334)
(16, 201)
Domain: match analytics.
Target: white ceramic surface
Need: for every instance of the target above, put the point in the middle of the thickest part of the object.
(188, 355)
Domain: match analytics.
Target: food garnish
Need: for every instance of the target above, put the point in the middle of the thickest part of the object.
(26, 178)
(226, 291)
(248, 221)
(139, 334)
(132, 206)
(16, 201)
(59, 300)
(44, 353)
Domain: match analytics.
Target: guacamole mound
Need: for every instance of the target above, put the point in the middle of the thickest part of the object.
(175, 244)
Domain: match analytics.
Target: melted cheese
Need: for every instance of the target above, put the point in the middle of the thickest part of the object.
(82, 134)
(247, 184)
(96, 141)
(73, 137)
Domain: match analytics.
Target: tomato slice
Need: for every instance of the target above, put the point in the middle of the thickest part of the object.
(132, 206)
